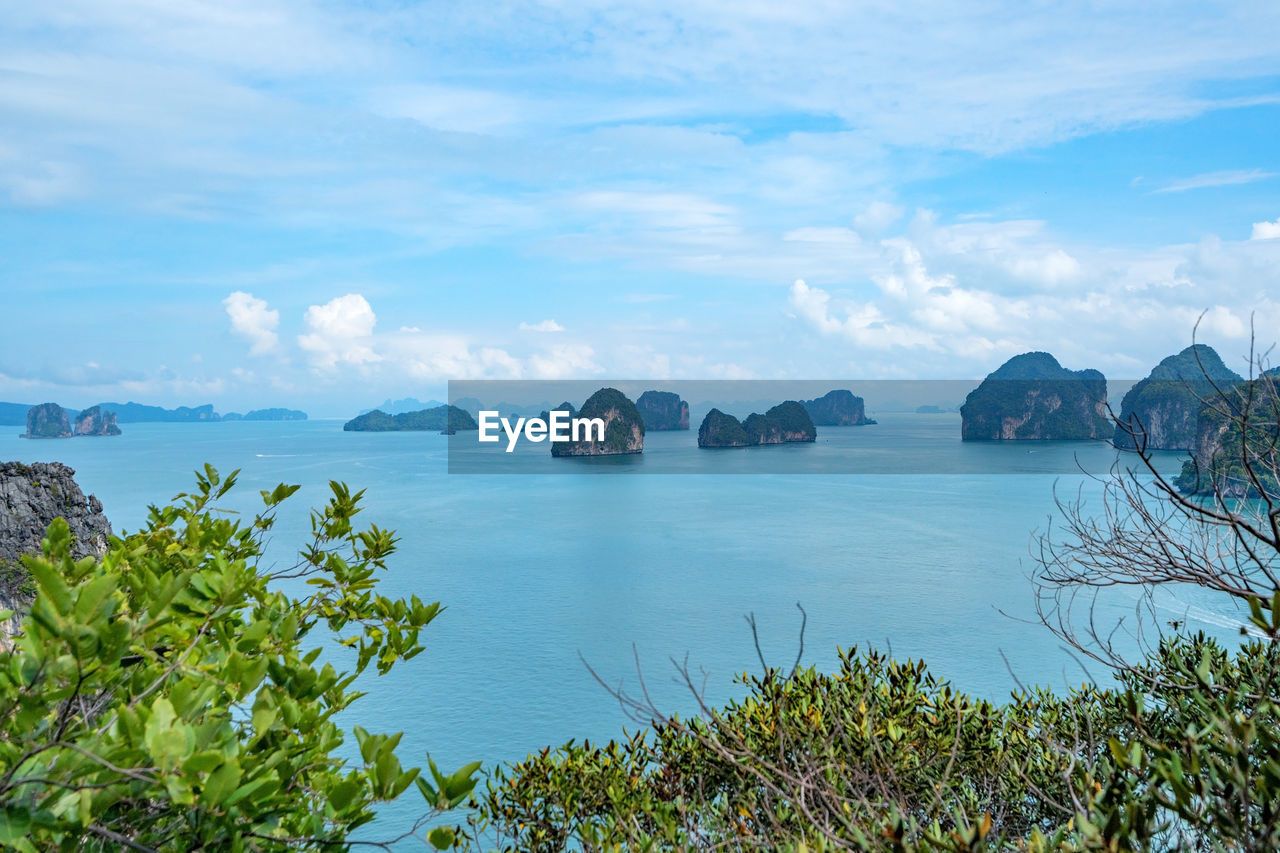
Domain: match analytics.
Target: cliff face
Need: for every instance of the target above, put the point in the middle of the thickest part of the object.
(663, 410)
(783, 424)
(47, 420)
(722, 430)
(623, 427)
(1163, 410)
(31, 497)
(1236, 426)
(1031, 396)
(94, 421)
(837, 408)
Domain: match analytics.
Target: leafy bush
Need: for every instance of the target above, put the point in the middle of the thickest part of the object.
(171, 695)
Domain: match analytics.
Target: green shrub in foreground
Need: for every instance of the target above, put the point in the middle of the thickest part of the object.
(171, 697)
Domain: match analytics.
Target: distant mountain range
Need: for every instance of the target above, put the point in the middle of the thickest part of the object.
(15, 414)
(408, 404)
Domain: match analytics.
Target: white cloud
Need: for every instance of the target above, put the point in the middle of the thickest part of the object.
(658, 210)
(1228, 178)
(861, 323)
(1265, 230)
(252, 320)
(544, 326)
(340, 332)
(877, 216)
(564, 361)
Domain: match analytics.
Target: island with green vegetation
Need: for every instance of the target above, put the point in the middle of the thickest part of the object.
(785, 423)
(663, 410)
(445, 418)
(1162, 411)
(1032, 397)
(837, 408)
(720, 429)
(274, 414)
(1237, 432)
(47, 420)
(136, 413)
(623, 427)
(566, 406)
(94, 421)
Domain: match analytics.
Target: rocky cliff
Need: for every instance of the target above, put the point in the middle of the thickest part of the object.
(783, 424)
(32, 496)
(1031, 396)
(837, 408)
(1162, 411)
(94, 421)
(623, 430)
(1237, 426)
(719, 429)
(47, 420)
(663, 410)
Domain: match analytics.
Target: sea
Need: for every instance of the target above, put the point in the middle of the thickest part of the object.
(558, 583)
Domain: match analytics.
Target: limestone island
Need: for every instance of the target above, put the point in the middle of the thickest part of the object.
(1217, 464)
(785, 423)
(663, 410)
(266, 415)
(1032, 397)
(1162, 411)
(447, 419)
(623, 427)
(94, 421)
(837, 408)
(49, 420)
(566, 406)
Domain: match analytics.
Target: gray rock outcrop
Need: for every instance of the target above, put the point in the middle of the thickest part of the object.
(31, 497)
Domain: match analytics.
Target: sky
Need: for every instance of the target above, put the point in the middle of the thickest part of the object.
(322, 205)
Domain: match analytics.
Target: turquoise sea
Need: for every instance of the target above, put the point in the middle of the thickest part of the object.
(542, 572)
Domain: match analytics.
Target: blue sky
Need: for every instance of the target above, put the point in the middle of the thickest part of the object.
(323, 205)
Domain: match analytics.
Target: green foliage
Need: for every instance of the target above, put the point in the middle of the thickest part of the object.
(793, 421)
(1042, 399)
(172, 695)
(879, 755)
(877, 750)
(785, 422)
(722, 430)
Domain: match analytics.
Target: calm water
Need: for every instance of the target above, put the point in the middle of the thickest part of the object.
(539, 570)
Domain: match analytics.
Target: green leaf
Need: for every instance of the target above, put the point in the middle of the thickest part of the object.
(441, 837)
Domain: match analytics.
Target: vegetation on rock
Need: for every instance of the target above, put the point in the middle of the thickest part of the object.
(447, 418)
(1031, 396)
(623, 431)
(47, 420)
(837, 408)
(663, 410)
(784, 423)
(1163, 410)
